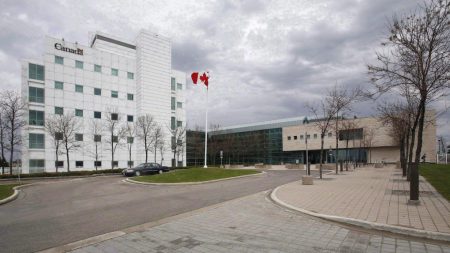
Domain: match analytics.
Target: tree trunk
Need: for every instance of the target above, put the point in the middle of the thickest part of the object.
(56, 162)
(129, 157)
(402, 156)
(96, 156)
(11, 152)
(155, 153)
(411, 147)
(414, 184)
(68, 162)
(321, 154)
(337, 144)
(346, 156)
(112, 151)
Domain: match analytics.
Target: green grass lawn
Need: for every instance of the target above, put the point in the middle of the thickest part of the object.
(439, 176)
(193, 175)
(6, 190)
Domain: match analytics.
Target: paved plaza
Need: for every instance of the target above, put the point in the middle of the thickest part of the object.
(371, 194)
(255, 224)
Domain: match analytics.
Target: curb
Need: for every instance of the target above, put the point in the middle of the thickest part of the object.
(14, 195)
(59, 177)
(193, 183)
(365, 224)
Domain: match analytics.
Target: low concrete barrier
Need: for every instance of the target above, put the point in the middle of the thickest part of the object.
(295, 166)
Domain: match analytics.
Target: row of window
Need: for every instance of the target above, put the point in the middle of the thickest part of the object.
(97, 68)
(174, 104)
(37, 95)
(40, 163)
(307, 136)
(37, 141)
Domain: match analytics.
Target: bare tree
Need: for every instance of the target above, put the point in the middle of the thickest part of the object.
(158, 139)
(116, 131)
(324, 113)
(3, 146)
(54, 129)
(130, 132)
(13, 109)
(96, 129)
(417, 60)
(69, 125)
(145, 125)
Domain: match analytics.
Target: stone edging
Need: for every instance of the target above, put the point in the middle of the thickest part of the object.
(128, 180)
(365, 224)
(15, 194)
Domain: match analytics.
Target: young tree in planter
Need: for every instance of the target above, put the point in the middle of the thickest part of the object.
(54, 131)
(323, 113)
(130, 132)
(145, 126)
(70, 125)
(13, 109)
(116, 132)
(417, 60)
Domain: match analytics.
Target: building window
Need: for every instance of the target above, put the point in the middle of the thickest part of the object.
(36, 94)
(330, 134)
(301, 137)
(79, 164)
(114, 94)
(114, 116)
(315, 136)
(97, 138)
(179, 86)
(114, 72)
(308, 136)
(295, 137)
(289, 138)
(36, 118)
(97, 115)
(173, 83)
(36, 72)
(78, 137)
(130, 75)
(130, 96)
(59, 164)
(130, 118)
(59, 85)
(59, 60)
(58, 136)
(79, 64)
(131, 163)
(172, 103)
(97, 68)
(172, 123)
(97, 91)
(351, 134)
(59, 110)
(115, 138)
(78, 88)
(115, 163)
(98, 163)
(179, 123)
(36, 141)
(179, 105)
(37, 163)
(78, 112)
(130, 140)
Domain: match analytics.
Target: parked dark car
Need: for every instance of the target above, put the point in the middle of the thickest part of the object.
(145, 169)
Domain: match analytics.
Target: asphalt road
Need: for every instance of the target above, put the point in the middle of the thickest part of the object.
(56, 213)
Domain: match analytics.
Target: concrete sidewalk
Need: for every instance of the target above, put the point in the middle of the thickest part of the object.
(372, 195)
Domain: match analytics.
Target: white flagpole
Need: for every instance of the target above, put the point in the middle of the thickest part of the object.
(206, 129)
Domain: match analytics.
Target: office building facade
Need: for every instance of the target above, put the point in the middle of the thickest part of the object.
(109, 79)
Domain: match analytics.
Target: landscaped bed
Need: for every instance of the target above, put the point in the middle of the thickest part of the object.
(439, 176)
(194, 175)
(6, 190)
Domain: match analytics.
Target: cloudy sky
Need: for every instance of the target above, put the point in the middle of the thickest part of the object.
(267, 58)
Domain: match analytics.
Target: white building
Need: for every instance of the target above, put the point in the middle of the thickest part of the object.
(110, 75)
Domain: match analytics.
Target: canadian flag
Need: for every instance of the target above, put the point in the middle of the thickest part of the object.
(203, 78)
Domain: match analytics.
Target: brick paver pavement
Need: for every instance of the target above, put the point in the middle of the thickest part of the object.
(254, 224)
(372, 194)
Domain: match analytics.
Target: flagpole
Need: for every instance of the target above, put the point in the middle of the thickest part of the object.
(206, 129)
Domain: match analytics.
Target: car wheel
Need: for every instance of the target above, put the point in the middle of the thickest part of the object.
(160, 171)
(138, 173)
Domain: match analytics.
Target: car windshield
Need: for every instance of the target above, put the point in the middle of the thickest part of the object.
(141, 165)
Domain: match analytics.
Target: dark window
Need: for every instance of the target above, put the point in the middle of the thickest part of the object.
(351, 134)
(130, 163)
(98, 163)
(97, 68)
(172, 123)
(173, 83)
(36, 118)
(37, 163)
(172, 103)
(98, 115)
(130, 118)
(130, 96)
(115, 138)
(59, 60)
(115, 163)
(130, 75)
(78, 112)
(97, 138)
(79, 64)
(289, 138)
(114, 94)
(36, 94)
(79, 164)
(36, 141)
(295, 137)
(330, 134)
(114, 116)
(59, 110)
(59, 136)
(59, 164)
(97, 91)
(78, 137)
(315, 136)
(36, 72)
(130, 140)
(114, 72)
(179, 123)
